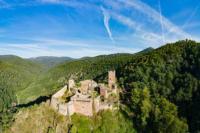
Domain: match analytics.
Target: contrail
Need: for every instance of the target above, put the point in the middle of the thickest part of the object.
(106, 23)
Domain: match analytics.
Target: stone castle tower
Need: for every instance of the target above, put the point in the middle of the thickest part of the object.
(71, 84)
(111, 79)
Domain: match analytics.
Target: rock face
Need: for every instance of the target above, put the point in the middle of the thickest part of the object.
(83, 101)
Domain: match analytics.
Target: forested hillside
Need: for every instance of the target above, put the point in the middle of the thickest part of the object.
(85, 68)
(50, 61)
(162, 88)
(15, 75)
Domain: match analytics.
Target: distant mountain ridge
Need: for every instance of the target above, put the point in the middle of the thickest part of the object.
(50, 61)
(146, 50)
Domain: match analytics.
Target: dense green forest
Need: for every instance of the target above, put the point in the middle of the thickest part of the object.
(15, 75)
(160, 88)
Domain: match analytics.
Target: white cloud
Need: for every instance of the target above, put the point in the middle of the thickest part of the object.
(106, 23)
(139, 31)
(143, 32)
(59, 42)
(31, 51)
(154, 31)
(153, 14)
(53, 47)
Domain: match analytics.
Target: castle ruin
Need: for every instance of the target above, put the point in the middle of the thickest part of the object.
(84, 98)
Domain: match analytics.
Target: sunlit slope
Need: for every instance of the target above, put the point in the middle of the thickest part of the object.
(15, 75)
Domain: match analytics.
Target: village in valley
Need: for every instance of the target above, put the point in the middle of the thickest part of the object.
(86, 97)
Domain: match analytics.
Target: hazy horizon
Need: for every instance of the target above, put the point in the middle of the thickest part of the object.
(62, 56)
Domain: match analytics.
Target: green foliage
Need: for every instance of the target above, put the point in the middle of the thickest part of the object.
(6, 118)
(15, 75)
(141, 106)
(165, 118)
(155, 115)
(38, 119)
(171, 72)
(104, 122)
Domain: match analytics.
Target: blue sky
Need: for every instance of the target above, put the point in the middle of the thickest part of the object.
(77, 28)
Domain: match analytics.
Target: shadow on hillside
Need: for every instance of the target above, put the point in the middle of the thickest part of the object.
(37, 101)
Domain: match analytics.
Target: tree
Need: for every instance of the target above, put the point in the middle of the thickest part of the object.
(165, 118)
(141, 106)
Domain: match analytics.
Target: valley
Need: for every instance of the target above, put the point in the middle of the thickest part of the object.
(159, 91)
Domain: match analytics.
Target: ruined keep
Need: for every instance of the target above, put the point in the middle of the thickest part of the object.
(84, 99)
(111, 79)
(71, 84)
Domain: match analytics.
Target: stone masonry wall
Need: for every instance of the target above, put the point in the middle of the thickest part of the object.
(62, 108)
(83, 107)
(54, 103)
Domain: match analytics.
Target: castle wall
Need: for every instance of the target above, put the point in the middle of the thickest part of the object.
(105, 106)
(54, 103)
(70, 108)
(96, 104)
(83, 107)
(62, 109)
